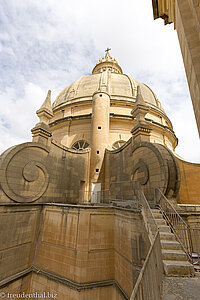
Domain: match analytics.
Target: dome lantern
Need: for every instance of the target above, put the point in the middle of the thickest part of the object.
(107, 62)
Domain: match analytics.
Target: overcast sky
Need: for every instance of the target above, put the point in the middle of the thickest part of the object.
(49, 44)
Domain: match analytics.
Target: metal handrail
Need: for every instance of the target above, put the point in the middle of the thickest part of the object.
(122, 193)
(149, 219)
(178, 226)
(152, 270)
(195, 239)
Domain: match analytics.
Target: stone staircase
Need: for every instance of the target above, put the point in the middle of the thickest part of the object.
(175, 261)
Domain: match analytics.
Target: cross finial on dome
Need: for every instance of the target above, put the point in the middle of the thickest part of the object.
(107, 51)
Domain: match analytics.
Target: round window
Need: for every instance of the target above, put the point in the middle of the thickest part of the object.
(118, 144)
(80, 145)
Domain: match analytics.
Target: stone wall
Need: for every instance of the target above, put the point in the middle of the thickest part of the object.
(23, 284)
(188, 30)
(32, 172)
(92, 246)
(189, 188)
(41, 283)
(83, 251)
(153, 165)
(17, 238)
(186, 17)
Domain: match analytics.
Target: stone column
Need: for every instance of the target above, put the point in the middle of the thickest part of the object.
(99, 132)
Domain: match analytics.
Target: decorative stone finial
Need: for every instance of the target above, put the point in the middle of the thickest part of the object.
(139, 97)
(41, 132)
(141, 130)
(140, 110)
(45, 113)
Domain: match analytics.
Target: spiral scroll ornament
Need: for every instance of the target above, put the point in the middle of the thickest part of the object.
(142, 171)
(154, 166)
(24, 176)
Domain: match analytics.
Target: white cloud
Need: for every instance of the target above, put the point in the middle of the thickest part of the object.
(49, 44)
(17, 115)
(186, 130)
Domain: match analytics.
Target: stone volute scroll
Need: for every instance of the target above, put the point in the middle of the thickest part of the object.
(142, 170)
(24, 173)
(154, 166)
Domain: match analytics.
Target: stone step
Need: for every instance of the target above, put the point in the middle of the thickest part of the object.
(178, 255)
(167, 236)
(158, 216)
(178, 268)
(155, 210)
(173, 245)
(174, 258)
(164, 228)
(161, 222)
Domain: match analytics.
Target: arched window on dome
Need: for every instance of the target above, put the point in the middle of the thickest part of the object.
(118, 144)
(80, 145)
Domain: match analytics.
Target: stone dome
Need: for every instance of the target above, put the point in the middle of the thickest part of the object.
(71, 124)
(120, 86)
(107, 75)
